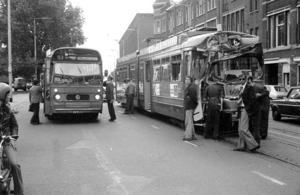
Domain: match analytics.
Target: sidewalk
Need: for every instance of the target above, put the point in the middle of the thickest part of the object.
(280, 149)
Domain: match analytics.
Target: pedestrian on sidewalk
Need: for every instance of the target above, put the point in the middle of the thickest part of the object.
(129, 92)
(35, 98)
(190, 104)
(110, 98)
(213, 94)
(246, 140)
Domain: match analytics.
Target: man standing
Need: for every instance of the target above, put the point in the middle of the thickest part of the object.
(246, 139)
(110, 98)
(129, 92)
(35, 98)
(213, 94)
(190, 104)
(252, 98)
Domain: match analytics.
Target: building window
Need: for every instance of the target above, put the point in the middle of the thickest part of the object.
(232, 22)
(256, 31)
(179, 18)
(224, 23)
(279, 29)
(186, 14)
(201, 7)
(251, 5)
(211, 4)
(163, 25)
(251, 31)
(237, 23)
(171, 23)
(225, 5)
(242, 21)
(157, 25)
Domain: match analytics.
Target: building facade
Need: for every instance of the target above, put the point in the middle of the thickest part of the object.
(271, 20)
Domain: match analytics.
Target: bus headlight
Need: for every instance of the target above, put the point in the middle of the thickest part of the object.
(57, 97)
(55, 90)
(97, 97)
(99, 90)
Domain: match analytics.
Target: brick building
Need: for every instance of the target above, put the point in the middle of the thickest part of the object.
(269, 19)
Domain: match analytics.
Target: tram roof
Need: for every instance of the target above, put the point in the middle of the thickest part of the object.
(208, 41)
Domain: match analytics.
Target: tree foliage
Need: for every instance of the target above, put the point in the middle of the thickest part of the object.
(57, 22)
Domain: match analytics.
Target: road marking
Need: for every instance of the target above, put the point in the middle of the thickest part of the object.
(133, 117)
(284, 135)
(191, 143)
(269, 178)
(154, 127)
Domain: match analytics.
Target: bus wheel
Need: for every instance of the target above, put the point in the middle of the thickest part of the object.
(50, 117)
(94, 116)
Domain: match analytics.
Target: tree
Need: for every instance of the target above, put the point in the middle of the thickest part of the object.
(63, 28)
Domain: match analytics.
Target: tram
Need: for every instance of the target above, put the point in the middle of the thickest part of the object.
(159, 72)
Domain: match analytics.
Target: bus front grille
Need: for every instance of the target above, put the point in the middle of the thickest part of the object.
(77, 97)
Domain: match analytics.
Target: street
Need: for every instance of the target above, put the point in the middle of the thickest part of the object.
(140, 155)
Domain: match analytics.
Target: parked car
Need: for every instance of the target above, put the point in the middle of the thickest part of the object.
(289, 106)
(277, 92)
(20, 83)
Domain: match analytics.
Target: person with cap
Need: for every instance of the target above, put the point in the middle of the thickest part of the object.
(35, 98)
(110, 98)
(190, 104)
(9, 126)
(129, 92)
(213, 94)
(246, 140)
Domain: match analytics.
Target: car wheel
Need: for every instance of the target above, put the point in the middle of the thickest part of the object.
(276, 115)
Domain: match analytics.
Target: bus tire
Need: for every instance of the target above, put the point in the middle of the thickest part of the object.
(94, 116)
(50, 117)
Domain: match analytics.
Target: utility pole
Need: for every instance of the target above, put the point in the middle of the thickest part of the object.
(9, 49)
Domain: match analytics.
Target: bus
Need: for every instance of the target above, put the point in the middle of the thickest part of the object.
(73, 82)
(159, 72)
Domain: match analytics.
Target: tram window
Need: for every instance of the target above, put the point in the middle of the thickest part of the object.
(176, 73)
(156, 73)
(166, 72)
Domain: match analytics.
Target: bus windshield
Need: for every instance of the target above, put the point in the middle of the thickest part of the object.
(232, 71)
(68, 73)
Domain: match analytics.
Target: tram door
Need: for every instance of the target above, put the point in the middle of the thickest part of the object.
(147, 85)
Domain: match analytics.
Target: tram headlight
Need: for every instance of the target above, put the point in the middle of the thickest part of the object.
(55, 90)
(99, 90)
(97, 97)
(57, 97)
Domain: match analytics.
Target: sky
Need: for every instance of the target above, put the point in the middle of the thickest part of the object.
(106, 21)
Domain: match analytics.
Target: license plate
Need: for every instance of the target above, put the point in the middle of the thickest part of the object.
(77, 112)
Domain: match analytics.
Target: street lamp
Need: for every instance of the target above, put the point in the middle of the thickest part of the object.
(138, 37)
(34, 26)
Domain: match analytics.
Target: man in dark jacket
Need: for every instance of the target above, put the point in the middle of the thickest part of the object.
(214, 95)
(190, 104)
(110, 98)
(253, 100)
(264, 125)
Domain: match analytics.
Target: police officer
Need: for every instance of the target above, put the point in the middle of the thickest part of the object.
(213, 94)
(110, 98)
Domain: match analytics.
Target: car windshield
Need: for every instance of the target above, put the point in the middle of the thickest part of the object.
(295, 94)
(280, 89)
